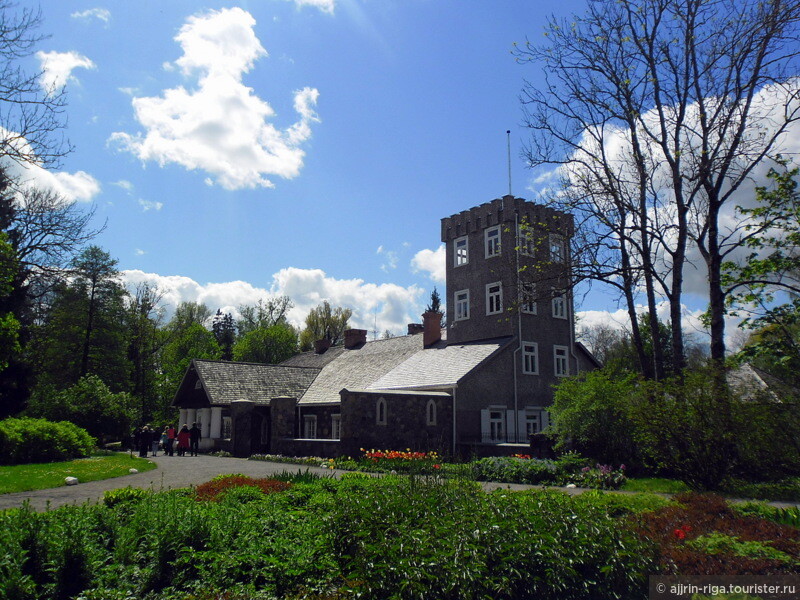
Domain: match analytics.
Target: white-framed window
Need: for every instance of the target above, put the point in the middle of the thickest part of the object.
(336, 427)
(560, 306)
(430, 413)
(461, 253)
(492, 241)
(494, 298)
(380, 412)
(310, 427)
(525, 239)
(528, 298)
(530, 358)
(533, 423)
(496, 426)
(560, 361)
(558, 249)
(227, 427)
(462, 305)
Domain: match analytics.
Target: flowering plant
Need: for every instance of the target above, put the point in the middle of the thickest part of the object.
(604, 477)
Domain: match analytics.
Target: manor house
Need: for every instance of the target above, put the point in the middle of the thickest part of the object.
(481, 385)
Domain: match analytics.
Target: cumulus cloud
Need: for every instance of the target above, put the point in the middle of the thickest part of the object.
(432, 262)
(327, 6)
(101, 14)
(220, 126)
(79, 186)
(150, 205)
(57, 68)
(390, 306)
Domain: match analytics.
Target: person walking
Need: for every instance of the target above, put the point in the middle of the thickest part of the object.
(183, 440)
(145, 438)
(170, 447)
(194, 437)
(164, 440)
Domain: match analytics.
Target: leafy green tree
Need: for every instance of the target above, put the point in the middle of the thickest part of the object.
(324, 322)
(263, 314)
(85, 327)
(9, 325)
(270, 345)
(146, 339)
(590, 414)
(187, 313)
(225, 333)
(89, 404)
(195, 341)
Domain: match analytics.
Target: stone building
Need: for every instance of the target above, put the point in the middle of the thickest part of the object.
(481, 386)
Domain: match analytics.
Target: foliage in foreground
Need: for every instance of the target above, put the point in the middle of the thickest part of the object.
(357, 538)
(38, 440)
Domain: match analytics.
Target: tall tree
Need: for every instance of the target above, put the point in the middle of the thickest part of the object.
(325, 322)
(263, 314)
(194, 341)
(146, 340)
(657, 112)
(85, 327)
(188, 313)
(224, 332)
(270, 345)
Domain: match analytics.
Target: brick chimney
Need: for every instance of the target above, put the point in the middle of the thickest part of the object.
(321, 345)
(414, 328)
(432, 328)
(355, 337)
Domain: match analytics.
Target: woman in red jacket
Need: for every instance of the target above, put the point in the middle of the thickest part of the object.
(183, 440)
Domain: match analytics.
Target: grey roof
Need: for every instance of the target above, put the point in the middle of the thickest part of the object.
(360, 367)
(225, 382)
(312, 359)
(437, 366)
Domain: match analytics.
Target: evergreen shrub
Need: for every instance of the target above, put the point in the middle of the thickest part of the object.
(29, 440)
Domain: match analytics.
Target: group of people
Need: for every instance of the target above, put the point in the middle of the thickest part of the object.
(147, 439)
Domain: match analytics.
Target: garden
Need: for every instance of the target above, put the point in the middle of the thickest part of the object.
(300, 535)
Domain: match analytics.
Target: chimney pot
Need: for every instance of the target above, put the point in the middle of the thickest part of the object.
(432, 324)
(355, 337)
(321, 345)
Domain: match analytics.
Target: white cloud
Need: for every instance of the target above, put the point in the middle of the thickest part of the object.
(101, 14)
(432, 261)
(150, 205)
(139, 252)
(327, 6)
(390, 306)
(57, 68)
(125, 185)
(391, 259)
(220, 126)
(79, 186)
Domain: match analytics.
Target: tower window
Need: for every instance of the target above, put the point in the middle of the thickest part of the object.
(492, 239)
(530, 358)
(462, 305)
(525, 239)
(558, 249)
(560, 307)
(528, 298)
(560, 360)
(461, 251)
(494, 298)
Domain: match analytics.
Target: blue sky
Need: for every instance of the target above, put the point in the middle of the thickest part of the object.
(304, 147)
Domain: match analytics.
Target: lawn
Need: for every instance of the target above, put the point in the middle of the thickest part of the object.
(655, 485)
(24, 478)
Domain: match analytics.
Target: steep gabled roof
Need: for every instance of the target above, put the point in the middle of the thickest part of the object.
(438, 366)
(225, 382)
(359, 367)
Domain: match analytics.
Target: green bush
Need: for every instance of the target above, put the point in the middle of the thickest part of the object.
(38, 440)
(787, 490)
(126, 495)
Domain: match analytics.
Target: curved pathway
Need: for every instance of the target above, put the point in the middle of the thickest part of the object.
(184, 471)
(172, 472)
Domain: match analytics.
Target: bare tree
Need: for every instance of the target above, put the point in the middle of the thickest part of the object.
(656, 112)
(31, 118)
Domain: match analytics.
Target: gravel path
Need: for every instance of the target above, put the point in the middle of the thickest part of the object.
(180, 472)
(172, 472)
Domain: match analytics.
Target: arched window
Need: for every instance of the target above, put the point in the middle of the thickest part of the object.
(430, 411)
(380, 412)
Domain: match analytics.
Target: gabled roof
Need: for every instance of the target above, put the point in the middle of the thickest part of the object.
(359, 367)
(438, 366)
(225, 382)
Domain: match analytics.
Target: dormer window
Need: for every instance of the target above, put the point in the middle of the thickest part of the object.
(492, 241)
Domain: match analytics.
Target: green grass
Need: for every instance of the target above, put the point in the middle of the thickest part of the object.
(40, 476)
(655, 485)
